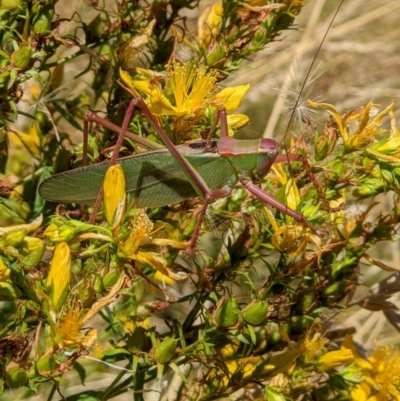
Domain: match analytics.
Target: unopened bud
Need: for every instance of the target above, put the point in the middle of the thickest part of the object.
(59, 275)
(227, 314)
(165, 351)
(114, 195)
(256, 313)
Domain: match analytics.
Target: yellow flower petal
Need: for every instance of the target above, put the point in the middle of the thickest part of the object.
(335, 114)
(161, 106)
(110, 297)
(154, 260)
(334, 359)
(32, 243)
(4, 271)
(162, 278)
(129, 82)
(114, 195)
(35, 224)
(57, 281)
(292, 194)
(231, 97)
(67, 332)
(237, 121)
(361, 392)
(209, 23)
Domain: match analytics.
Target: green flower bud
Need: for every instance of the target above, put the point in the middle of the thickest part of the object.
(256, 313)
(9, 292)
(321, 147)
(99, 24)
(35, 256)
(299, 324)
(369, 188)
(16, 377)
(42, 20)
(304, 302)
(258, 38)
(275, 332)
(13, 238)
(217, 55)
(22, 57)
(137, 341)
(165, 350)
(338, 288)
(111, 278)
(46, 364)
(98, 284)
(189, 230)
(11, 4)
(227, 314)
(13, 211)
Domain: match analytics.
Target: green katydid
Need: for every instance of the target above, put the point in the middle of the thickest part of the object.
(175, 173)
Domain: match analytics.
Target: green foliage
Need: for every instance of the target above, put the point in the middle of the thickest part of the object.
(249, 308)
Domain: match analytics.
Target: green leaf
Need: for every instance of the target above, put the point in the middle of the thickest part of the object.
(81, 371)
(116, 354)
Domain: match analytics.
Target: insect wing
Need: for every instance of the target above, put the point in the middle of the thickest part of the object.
(153, 179)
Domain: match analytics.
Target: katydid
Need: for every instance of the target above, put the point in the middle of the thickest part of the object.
(175, 173)
(172, 174)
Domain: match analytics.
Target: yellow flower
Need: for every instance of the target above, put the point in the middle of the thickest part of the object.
(380, 374)
(114, 195)
(59, 276)
(209, 23)
(141, 234)
(334, 359)
(338, 217)
(291, 239)
(67, 332)
(312, 345)
(191, 90)
(368, 124)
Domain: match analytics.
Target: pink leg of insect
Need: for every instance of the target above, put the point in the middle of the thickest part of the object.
(297, 157)
(255, 190)
(267, 198)
(214, 126)
(210, 196)
(92, 117)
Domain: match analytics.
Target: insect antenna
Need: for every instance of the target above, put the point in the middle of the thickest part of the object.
(310, 72)
(308, 76)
